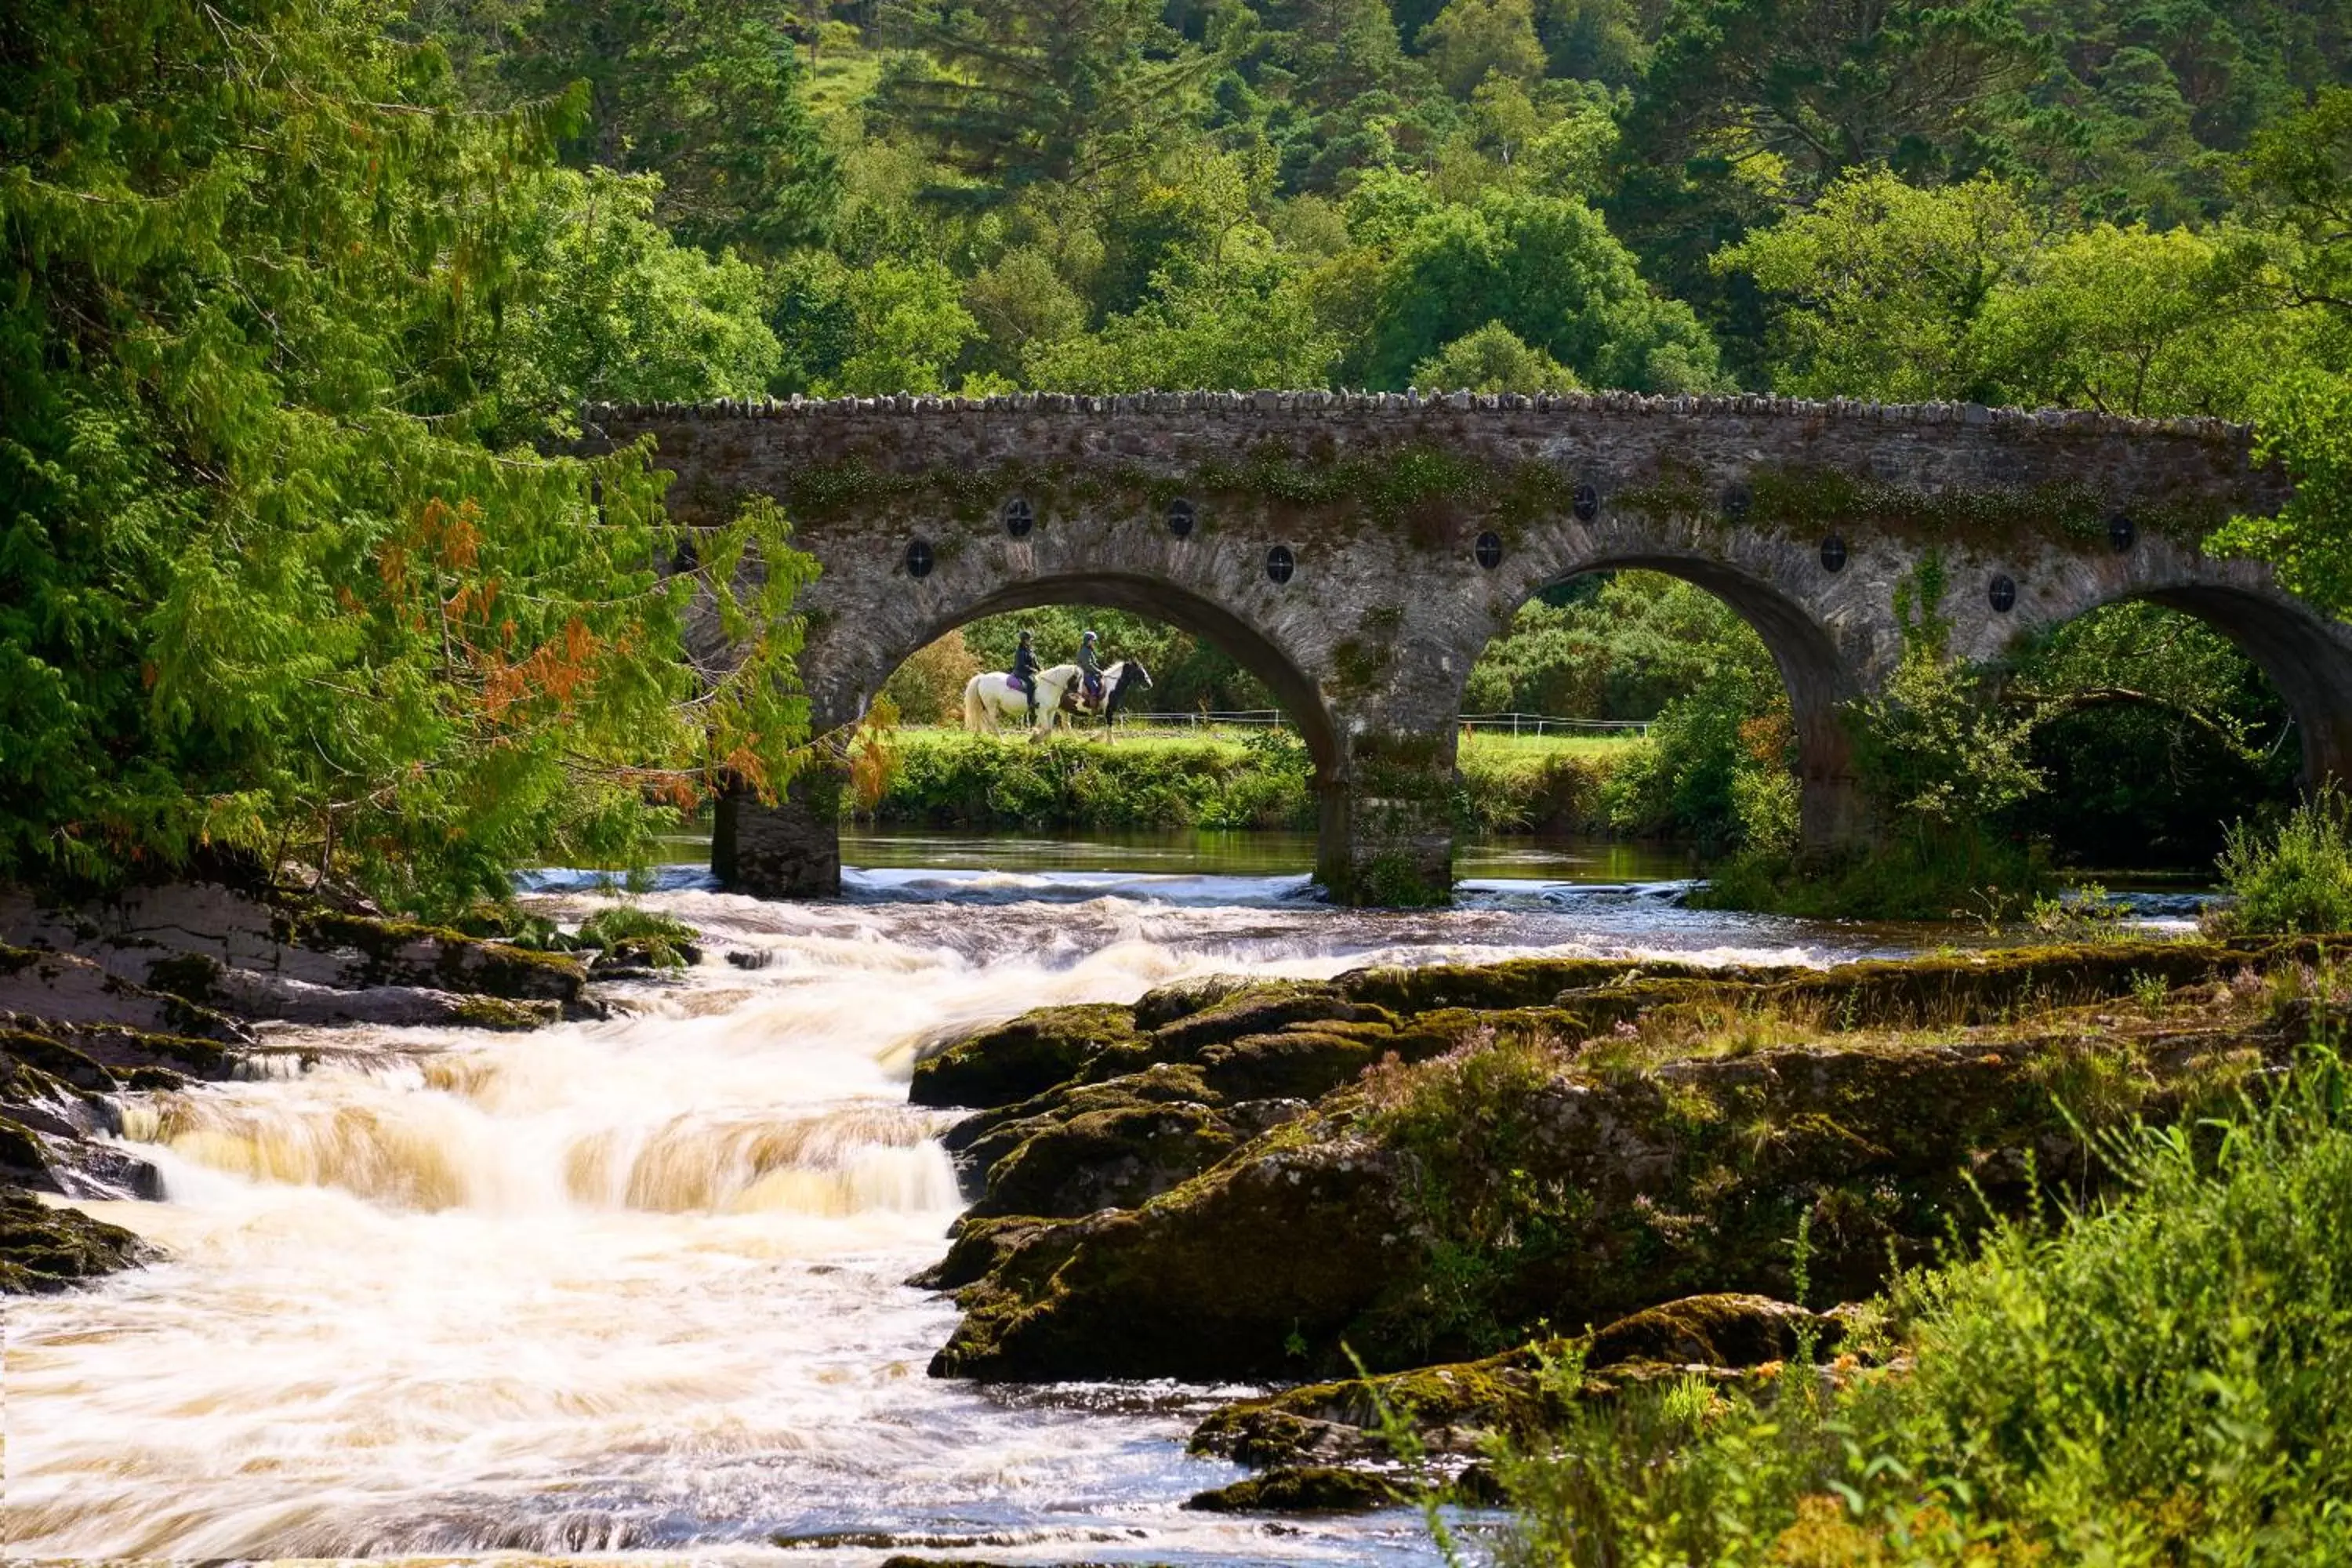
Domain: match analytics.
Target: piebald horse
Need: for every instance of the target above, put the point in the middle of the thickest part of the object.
(1120, 678)
(991, 701)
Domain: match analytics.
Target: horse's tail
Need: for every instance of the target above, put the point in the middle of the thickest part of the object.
(975, 718)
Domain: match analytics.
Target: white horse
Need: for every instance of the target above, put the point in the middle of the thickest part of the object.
(991, 701)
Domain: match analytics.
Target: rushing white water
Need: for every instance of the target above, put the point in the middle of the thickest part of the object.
(637, 1286)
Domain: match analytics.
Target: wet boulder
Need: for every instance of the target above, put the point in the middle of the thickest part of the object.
(1304, 1489)
(1725, 1329)
(1211, 1280)
(1114, 1158)
(1026, 1056)
(45, 1249)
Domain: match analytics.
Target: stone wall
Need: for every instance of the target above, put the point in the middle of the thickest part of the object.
(1415, 528)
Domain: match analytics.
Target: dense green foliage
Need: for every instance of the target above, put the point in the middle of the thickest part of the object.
(2298, 878)
(2154, 1381)
(284, 319)
(276, 576)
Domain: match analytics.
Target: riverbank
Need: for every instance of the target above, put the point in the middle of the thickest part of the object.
(944, 778)
(1615, 1180)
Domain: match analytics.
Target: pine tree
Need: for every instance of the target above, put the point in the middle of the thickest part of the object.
(1010, 93)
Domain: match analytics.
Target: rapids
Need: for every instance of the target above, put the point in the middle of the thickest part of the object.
(636, 1286)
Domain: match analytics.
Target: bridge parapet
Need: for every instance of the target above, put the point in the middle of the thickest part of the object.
(1357, 550)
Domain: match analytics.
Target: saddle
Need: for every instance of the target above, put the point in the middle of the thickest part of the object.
(1016, 683)
(1093, 688)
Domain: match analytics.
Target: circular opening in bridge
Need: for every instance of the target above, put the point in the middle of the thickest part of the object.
(1587, 503)
(2001, 593)
(1832, 554)
(1020, 517)
(1489, 550)
(1737, 500)
(1181, 517)
(1280, 565)
(2122, 533)
(918, 558)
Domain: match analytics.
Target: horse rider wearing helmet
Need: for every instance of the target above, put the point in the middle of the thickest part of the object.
(1025, 674)
(1090, 667)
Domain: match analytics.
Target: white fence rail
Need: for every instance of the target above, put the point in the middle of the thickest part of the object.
(1526, 724)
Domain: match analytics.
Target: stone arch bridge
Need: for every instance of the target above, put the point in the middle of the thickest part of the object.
(1358, 550)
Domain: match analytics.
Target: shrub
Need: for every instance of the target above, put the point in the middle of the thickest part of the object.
(2296, 880)
(2156, 1381)
(660, 939)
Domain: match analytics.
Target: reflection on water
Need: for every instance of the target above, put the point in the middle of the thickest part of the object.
(636, 1286)
(1237, 852)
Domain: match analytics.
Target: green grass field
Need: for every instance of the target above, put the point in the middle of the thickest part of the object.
(1479, 745)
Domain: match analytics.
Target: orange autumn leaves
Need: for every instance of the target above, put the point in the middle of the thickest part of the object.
(432, 573)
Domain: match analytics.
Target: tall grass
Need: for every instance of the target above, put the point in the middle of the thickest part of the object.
(2164, 1380)
(2298, 878)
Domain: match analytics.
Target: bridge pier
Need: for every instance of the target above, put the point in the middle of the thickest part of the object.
(790, 849)
(1385, 837)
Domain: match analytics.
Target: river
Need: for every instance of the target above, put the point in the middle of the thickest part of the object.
(637, 1287)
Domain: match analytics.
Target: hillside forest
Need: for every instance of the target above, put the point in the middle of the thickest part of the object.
(306, 299)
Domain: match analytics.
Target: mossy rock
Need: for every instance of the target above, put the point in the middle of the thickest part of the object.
(131, 1050)
(1302, 1063)
(1016, 1060)
(405, 953)
(1686, 1180)
(22, 1155)
(987, 1136)
(1260, 1009)
(1723, 1330)
(1305, 1488)
(1106, 1159)
(1207, 1281)
(499, 1012)
(980, 1245)
(1455, 1409)
(1523, 982)
(1994, 986)
(1162, 1006)
(60, 1061)
(45, 1249)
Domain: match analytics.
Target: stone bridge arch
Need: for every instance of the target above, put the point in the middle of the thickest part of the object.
(1358, 550)
(2307, 656)
(1814, 623)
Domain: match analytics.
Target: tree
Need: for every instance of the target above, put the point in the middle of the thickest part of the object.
(908, 325)
(707, 94)
(617, 310)
(1010, 93)
(1547, 269)
(1243, 326)
(1492, 360)
(2136, 322)
(1882, 285)
(1473, 41)
(1820, 87)
(2301, 173)
(268, 583)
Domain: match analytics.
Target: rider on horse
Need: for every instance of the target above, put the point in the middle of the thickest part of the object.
(1025, 674)
(1090, 667)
